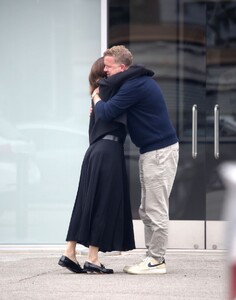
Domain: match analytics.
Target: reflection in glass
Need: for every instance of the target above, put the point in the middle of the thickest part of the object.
(191, 46)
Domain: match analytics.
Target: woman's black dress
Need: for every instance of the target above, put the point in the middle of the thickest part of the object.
(101, 215)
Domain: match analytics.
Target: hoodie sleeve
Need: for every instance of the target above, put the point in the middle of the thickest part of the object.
(118, 104)
(122, 88)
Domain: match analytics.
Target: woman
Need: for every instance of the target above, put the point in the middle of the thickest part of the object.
(101, 219)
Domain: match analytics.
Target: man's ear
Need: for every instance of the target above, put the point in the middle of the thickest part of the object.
(123, 67)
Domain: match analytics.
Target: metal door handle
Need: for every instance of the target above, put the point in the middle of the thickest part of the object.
(194, 131)
(216, 131)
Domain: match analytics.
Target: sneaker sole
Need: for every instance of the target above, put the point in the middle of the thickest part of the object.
(126, 268)
(146, 272)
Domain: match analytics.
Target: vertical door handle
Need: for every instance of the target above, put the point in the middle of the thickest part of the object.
(194, 131)
(216, 131)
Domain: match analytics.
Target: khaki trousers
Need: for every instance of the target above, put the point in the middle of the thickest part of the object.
(157, 173)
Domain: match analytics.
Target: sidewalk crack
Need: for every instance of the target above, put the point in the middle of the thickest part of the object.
(37, 275)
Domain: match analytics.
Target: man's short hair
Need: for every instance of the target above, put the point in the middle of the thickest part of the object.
(121, 55)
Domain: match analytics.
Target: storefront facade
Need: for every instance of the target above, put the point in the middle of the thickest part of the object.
(48, 48)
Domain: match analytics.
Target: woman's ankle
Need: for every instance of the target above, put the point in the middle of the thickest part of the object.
(71, 254)
(93, 255)
(94, 261)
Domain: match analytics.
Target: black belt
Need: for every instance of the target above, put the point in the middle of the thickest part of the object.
(111, 138)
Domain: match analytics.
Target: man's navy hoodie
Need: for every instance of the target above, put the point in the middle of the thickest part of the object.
(148, 121)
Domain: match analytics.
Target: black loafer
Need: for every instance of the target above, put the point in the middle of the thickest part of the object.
(92, 268)
(64, 261)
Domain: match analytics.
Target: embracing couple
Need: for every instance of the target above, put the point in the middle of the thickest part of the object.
(125, 98)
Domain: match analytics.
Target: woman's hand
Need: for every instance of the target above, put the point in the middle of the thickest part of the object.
(95, 96)
(90, 110)
(95, 92)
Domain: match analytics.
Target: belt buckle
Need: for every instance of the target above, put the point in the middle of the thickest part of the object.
(111, 137)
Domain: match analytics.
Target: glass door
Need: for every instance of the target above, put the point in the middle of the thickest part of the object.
(191, 47)
(220, 110)
(206, 111)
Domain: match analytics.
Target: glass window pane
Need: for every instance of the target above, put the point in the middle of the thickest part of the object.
(47, 48)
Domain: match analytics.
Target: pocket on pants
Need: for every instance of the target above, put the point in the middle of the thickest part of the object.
(150, 169)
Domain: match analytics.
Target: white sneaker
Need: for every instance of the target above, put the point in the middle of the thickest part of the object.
(148, 266)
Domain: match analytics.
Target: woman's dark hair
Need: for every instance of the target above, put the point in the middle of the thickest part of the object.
(96, 73)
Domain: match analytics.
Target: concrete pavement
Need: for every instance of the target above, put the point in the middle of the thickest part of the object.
(33, 273)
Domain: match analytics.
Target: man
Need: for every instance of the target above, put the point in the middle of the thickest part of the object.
(151, 131)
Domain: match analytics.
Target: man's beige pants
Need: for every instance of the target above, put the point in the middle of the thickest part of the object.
(157, 173)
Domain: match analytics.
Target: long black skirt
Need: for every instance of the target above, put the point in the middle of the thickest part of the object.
(101, 215)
